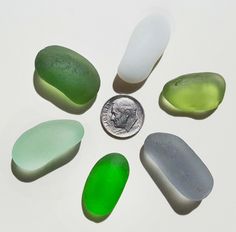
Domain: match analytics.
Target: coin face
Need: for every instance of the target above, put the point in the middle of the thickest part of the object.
(122, 116)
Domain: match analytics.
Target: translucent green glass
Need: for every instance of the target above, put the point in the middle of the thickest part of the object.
(104, 186)
(195, 95)
(45, 147)
(69, 72)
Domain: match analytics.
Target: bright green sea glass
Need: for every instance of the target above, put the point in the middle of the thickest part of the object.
(195, 95)
(45, 147)
(65, 78)
(104, 186)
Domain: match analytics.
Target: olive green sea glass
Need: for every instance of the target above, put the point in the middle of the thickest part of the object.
(195, 95)
(45, 147)
(104, 186)
(66, 78)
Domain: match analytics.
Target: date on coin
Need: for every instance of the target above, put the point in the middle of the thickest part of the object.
(122, 116)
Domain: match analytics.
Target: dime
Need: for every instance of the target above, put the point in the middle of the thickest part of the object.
(122, 116)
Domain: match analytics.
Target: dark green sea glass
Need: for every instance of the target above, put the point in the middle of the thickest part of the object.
(66, 78)
(45, 147)
(104, 186)
(195, 95)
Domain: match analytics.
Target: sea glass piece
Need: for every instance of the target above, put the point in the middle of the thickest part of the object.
(145, 47)
(195, 95)
(65, 78)
(177, 170)
(104, 186)
(45, 147)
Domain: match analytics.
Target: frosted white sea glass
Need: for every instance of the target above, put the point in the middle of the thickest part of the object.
(145, 47)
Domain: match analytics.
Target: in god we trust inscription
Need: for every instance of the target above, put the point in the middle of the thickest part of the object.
(122, 116)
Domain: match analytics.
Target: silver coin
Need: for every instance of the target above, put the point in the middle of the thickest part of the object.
(122, 116)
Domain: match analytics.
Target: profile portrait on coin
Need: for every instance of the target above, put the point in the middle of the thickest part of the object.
(124, 114)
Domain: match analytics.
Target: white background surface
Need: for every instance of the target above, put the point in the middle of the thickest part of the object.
(203, 39)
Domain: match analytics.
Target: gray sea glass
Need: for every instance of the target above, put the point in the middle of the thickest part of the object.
(177, 170)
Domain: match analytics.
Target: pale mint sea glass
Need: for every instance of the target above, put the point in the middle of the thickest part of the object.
(45, 147)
